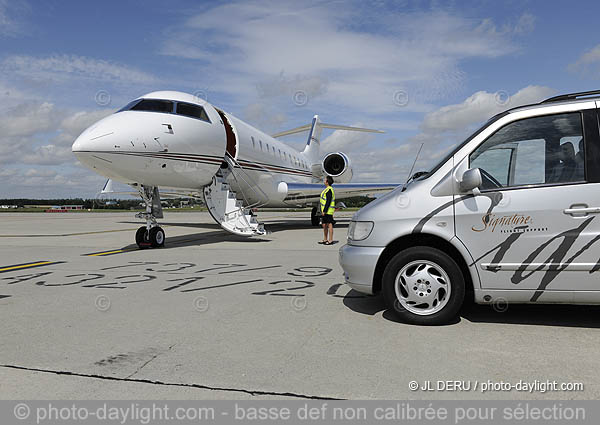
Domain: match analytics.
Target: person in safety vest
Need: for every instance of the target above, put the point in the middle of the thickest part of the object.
(327, 209)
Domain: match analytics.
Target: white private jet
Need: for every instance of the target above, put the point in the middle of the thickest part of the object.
(180, 142)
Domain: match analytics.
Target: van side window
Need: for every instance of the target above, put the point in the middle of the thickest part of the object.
(533, 151)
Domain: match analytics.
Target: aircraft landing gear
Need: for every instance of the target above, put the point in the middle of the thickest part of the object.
(153, 239)
(151, 235)
(315, 219)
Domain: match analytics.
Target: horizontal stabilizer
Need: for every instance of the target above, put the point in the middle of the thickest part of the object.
(296, 130)
(307, 127)
(347, 128)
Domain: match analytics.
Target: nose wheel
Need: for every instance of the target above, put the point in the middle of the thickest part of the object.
(155, 238)
(151, 235)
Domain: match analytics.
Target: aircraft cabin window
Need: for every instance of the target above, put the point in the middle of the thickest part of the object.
(193, 111)
(253, 142)
(153, 105)
(260, 143)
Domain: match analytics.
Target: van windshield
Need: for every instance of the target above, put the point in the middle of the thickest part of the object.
(422, 175)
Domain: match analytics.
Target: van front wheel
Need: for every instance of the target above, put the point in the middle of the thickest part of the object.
(423, 286)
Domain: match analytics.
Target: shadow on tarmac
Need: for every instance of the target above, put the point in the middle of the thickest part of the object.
(204, 238)
(272, 226)
(219, 235)
(579, 316)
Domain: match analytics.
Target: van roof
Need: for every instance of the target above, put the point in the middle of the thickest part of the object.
(578, 97)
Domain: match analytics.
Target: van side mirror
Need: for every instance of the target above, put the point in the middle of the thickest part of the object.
(470, 180)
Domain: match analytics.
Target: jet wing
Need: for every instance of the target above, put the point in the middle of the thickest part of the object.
(165, 193)
(309, 192)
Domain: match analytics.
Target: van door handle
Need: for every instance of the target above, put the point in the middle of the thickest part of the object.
(581, 210)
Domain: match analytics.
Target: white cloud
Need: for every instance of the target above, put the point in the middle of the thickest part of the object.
(48, 155)
(28, 119)
(525, 24)
(42, 133)
(319, 46)
(302, 87)
(441, 130)
(47, 183)
(479, 107)
(64, 68)
(264, 116)
(39, 173)
(588, 62)
(347, 141)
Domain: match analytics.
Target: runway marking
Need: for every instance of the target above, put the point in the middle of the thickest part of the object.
(247, 270)
(28, 265)
(5, 296)
(106, 253)
(222, 286)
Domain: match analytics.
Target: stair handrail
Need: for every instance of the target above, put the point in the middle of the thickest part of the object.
(232, 162)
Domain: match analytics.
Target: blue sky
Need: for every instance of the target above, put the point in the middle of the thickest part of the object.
(423, 71)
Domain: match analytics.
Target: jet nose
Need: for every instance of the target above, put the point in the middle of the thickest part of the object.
(79, 144)
(98, 137)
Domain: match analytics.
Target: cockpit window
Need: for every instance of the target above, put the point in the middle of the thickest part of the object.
(153, 105)
(129, 105)
(193, 111)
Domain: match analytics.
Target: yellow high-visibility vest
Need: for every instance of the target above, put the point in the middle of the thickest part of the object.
(331, 208)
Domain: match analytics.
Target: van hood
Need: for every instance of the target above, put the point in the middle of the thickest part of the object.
(382, 207)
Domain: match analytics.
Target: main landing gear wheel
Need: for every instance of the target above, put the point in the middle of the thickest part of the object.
(423, 286)
(157, 237)
(314, 218)
(153, 239)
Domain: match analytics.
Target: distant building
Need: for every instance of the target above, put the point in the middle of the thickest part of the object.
(7, 207)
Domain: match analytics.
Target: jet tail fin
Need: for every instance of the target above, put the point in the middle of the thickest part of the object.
(312, 149)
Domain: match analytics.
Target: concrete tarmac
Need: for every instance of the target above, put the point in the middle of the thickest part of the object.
(87, 315)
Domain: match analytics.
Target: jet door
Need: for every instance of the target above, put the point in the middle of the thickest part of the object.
(231, 137)
(536, 223)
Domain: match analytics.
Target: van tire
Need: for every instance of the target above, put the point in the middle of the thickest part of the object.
(425, 264)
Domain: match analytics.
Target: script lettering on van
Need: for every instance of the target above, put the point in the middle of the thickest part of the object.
(492, 221)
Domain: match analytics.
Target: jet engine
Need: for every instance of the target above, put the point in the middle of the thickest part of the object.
(337, 165)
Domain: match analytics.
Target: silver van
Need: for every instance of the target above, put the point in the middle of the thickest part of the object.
(509, 216)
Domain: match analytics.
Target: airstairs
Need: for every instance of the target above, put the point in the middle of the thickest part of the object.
(226, 209)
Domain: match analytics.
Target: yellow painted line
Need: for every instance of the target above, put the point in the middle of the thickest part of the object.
(28, 265)
(24, 266)
(103, 253)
